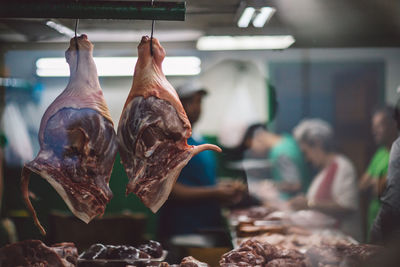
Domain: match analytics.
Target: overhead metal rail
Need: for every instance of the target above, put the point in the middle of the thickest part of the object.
(129, 10)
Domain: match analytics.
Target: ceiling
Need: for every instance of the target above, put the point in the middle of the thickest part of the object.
(313, 23)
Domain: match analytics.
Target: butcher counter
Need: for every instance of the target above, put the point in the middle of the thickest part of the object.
(271, 234)
(298, 238)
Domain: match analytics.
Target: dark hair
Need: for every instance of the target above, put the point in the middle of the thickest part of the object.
(186, 98)
(387, 110)
(189, 98)
(249, 134)
(397, 114)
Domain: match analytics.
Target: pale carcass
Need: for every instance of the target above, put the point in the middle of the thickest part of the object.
(77, 140)
(153, 130)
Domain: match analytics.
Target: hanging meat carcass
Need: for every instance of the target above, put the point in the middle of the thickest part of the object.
(153, 130)
(77, 140)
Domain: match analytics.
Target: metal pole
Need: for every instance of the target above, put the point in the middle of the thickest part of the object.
(134, 10)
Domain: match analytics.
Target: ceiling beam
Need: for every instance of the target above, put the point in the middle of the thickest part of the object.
(133, 10)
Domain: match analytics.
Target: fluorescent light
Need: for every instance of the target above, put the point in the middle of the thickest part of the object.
(134, 36)
(258, 42)
(52, 67)
(181, 66)
(118, 66)
(246, 17)
(263, 16)
(60, 28)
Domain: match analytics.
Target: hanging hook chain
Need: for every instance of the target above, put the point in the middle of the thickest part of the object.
(152, 30)
(76, 41)
(76, 26)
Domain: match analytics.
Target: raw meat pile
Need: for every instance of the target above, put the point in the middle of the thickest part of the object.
(150, 250)
(36, 253)
(311, 219)
(255, 253)
(342, 255)
(153, 248)
(110, 252)
(246, 230)
(186, 262)
(77, 140)
(256, 221)
(304, 242)
(252, 213)
(153, 130)
(246, 221)
(192, 262)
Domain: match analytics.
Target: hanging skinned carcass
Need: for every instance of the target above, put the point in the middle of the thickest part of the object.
(153, 130)
(77, 140)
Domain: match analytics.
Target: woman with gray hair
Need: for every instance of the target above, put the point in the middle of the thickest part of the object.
(334, 189)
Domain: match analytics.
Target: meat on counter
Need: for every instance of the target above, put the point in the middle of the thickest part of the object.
(152, 249)
(252, 213)
(255, 253)
(304, 242)
(192, 262)
(186, 262)
(342, 255)
(36, 253)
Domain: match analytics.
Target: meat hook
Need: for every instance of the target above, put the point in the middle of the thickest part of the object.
(76, 38)
(152, 29)
(76, 42)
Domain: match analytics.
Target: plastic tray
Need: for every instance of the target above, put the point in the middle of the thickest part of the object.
(120, 262)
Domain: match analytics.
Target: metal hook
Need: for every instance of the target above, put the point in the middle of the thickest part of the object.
(76, 28)
(76, 42)
(151, 36)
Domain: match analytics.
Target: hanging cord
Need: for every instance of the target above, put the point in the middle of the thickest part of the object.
(76, 28)
(76, 42)
(152, 29)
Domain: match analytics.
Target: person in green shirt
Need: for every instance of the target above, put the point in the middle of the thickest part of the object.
(287, 163)
(373, 181)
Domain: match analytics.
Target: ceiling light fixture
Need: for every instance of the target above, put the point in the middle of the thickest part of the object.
(263, 16)
(118, 66)
(258, 42)
(246, 17)
(256, 11)
(60, 28)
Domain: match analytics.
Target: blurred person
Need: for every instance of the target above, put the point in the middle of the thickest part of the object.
(3, 234)
(8, 232)
(373, 181)
(194, 204)
(386, 227)
(287, 166)
(334, 190)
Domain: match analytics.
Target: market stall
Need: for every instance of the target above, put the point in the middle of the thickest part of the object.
(161, 133)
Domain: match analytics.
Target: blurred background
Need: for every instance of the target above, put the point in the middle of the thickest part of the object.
(334, 60)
